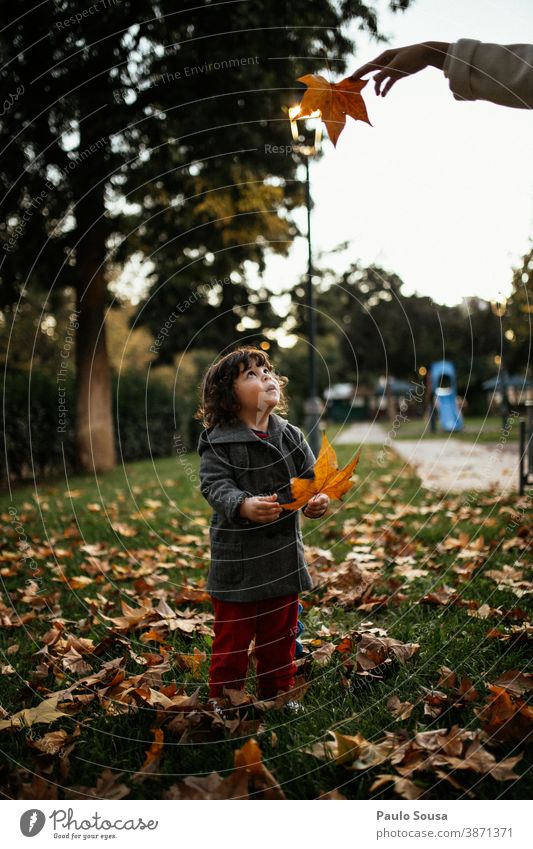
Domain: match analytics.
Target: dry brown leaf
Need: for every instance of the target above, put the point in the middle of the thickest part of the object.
(334, 100)
(402, 786)
(74, 662)
(191, 662)
(478, 759)
(401, 710)
(153, 757)
(50, 743)
(372, 650)
(250, 776)
(515, 682)
(124, 529)
(132, 616)
(323, 654)
(211, 786)
(350, 751)
(504, 719)
(45, 712)
(328, 478)
(107, 786)
(442, 595)
(463, 691)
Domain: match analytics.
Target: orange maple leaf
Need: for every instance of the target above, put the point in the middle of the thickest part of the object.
(328, 477)
(334, 100)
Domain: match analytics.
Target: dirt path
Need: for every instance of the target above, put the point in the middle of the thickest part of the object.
(446, 465)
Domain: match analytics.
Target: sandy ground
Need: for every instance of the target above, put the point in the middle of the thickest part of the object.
(446, 464)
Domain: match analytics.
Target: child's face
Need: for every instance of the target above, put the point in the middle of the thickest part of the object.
(257, 389)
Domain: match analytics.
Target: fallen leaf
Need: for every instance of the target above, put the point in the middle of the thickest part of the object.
(45, 712)
(250, 778)
(191, 662)
(402, 786)
(515, 682)
(323, 655)
(153, 757)
(124, 529)
(505, 719)
(51, 743)
(351, 751)
(74, 662)
(107, 786)
(401, 710)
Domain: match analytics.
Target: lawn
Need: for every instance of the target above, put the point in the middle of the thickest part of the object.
(477, 429)
(446, 579)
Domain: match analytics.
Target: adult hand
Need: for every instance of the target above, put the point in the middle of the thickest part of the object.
(260, 508)
(316, 506)
(403, 61)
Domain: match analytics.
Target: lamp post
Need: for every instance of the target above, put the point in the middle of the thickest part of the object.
(499, 308)
(313, 404)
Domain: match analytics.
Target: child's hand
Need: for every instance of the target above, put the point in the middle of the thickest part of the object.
(316, 506)
(260, 508)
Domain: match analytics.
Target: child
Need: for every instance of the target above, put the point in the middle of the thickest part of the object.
(248, 454)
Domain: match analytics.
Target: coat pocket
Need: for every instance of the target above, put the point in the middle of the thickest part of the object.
(226, 563)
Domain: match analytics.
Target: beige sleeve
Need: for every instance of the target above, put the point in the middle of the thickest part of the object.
(501, 73)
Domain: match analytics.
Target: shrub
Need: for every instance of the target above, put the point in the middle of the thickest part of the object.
(145, 415)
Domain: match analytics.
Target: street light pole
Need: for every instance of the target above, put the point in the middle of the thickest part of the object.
(499, 308)
(313, 404)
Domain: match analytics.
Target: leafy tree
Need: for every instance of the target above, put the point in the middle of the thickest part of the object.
(519, 317)
(140, 126)
(380, 330)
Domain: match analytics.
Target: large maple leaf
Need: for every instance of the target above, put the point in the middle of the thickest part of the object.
(334, 100)
(328, 477)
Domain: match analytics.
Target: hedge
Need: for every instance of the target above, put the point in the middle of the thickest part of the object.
(148, 420)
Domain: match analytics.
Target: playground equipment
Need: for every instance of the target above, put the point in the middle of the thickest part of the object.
(443, 395)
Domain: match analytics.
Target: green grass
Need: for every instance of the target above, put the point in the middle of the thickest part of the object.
(478, 429)
(447, 635)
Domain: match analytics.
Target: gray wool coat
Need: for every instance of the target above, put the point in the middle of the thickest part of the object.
(254, 560)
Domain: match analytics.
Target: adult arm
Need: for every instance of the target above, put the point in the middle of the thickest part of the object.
(501, 73)
(399, 62)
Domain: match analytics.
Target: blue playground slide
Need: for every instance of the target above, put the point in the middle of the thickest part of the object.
(444, 388)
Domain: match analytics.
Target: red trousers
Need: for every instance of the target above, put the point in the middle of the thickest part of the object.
(273, 622)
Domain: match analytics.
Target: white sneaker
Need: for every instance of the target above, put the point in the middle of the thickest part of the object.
(294, 707)
(218, 706)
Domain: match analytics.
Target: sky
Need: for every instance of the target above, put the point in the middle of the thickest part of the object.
(437, 191)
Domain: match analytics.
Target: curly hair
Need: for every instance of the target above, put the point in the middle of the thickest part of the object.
(219, 403)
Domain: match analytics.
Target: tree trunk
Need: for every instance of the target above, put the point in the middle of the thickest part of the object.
(95, 441)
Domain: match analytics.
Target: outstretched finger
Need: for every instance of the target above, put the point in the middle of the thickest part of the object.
(389, 85)
(379, 79)
(365, 69)
(377, 64)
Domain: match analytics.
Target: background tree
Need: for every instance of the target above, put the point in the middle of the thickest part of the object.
(519, 317)
(380, 330)
(141, 127)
